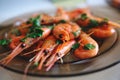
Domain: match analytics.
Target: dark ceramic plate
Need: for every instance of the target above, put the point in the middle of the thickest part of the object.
(108, 56)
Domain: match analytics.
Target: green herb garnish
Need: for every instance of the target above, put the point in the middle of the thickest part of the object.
(105, 20)
(75, 46)
(36, 33)
(36, 64)
(16, 32)
(89, 46)
(35, 21)
(62, 21)
(84, 16)
(93, 23)
(76, 33)
(50, 27)
(4, 42)
(35, 30)
(59, 41)
(23, 39)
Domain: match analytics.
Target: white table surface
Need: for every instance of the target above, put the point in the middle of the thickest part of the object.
(12, 8)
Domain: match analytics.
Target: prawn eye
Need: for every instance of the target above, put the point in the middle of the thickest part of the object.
(60, 36)
(42, 20)
(46, 51)
(23, 45)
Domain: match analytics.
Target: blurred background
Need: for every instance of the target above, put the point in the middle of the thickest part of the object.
(12, 8)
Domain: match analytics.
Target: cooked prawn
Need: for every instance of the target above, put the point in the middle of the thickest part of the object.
(46, 49)
(81, 52)
(103, 31)
(24, 45)
(66, 31)
(60, 51)
(60, 15)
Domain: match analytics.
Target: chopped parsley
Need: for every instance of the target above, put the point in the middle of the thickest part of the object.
(93, 23)
(50, 27)
(84, 16)
(62, 21)
(89, 46)
(35, 30)
(16, 32)
(36, 33)
(59, 41)
(75, 46)
(105, 20)
(4, 42)
(36, 64)
(35, 21)
(76, 33)
(23, 39)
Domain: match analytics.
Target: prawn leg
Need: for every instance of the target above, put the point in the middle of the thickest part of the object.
(61, 50)
(24, 45)
(48, 45)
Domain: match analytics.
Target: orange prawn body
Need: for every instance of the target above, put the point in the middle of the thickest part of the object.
(65, 31)
(24, 45)
(83, 53)
(60, 15)
(46, 49)
(60, 51)
(102, 31)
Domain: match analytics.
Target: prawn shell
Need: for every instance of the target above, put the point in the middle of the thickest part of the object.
(82, 53)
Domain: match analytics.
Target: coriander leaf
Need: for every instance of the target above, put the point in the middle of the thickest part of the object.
(35, 21)
(76, 33)
(84, 16)
(4, 42)
(62, 21)
(23, 39)
(89, 46)
(93, 23)
(36, 64)
(104, 21)
(59, 41)
(75, 46)
(37, 33)
(50, 27)
(16, 32)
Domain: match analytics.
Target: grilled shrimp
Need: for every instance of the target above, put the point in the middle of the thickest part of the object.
(88, 47)
(24, 45)
(60, 51)
(66, 31)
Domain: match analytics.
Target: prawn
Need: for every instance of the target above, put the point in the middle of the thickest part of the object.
(24, 45)
(102, 32)
(99, 28)
(60, 15)
(66, 31)
(46, 49)
(74, 14)
(86, 41)
(60, 51)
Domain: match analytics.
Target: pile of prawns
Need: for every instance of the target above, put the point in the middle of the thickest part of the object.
(56, 35)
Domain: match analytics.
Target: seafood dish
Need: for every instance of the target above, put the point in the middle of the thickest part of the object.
(44, 39)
